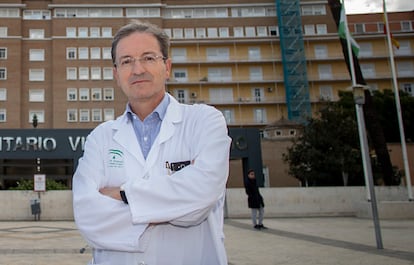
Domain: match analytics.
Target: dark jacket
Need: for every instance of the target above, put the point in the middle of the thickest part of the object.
(254, 198)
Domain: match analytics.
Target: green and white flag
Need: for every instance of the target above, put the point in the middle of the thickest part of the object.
(342, 32)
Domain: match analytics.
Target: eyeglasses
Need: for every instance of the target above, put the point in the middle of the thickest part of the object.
(146, 60)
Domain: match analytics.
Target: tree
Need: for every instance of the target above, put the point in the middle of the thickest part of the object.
(327, 153)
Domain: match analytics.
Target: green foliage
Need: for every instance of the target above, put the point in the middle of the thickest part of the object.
(328, 152)
(26, 184)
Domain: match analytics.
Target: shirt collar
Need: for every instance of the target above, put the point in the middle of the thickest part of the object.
(161, 109)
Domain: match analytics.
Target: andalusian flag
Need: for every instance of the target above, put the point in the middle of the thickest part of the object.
(342, 32)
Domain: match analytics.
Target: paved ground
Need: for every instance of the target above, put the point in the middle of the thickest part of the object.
(287, 241)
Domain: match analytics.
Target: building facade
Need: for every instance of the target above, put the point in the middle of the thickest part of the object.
(55, 59)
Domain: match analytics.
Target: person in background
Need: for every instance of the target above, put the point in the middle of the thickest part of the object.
(150, 186)
(254, 200)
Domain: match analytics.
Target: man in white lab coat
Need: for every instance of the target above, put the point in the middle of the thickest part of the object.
(150, 186)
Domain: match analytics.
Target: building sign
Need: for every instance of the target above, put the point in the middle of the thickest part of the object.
(42, 143)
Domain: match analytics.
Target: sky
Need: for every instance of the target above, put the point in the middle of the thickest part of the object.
(375, 6)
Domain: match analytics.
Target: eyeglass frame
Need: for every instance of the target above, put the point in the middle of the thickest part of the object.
(144, 60)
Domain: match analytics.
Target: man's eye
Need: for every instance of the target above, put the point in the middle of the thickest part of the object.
(148, 59)
(126, 61)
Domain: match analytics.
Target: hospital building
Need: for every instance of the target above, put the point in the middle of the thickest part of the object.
(258, 62)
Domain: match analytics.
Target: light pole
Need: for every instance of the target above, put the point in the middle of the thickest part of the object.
(359, 98)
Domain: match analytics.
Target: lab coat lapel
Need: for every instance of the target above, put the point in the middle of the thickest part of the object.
(125, 136)
(167, 130)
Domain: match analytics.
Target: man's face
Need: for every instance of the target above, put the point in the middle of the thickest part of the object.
(140, 70)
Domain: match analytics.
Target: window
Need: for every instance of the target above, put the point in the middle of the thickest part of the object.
(71, 94)
(107, 73)
(250, 32)
(380, 27)
(189, 33)
(273, 31)
(254, 53)
(71, 53)
(368, 70)
(258, 94)
(95, 32)
(238, 32)
(72, 115)
(178, 33)
(108, 94)
(3, 32)
(3, 115)
(36, 14)
(255, 73)
(3, 94)
(313, 10)
(40, 114)
(3, 53)
(325, 71)
(83, 53)
(96, 94)
(326, 93)
(406, 26)
(9, 12)
(365, 49)
(409, 88)
(83, 32)
(221, 95)
(37, 74)
(321, 29)
(36, 33)
(224, 32)
(83, 73)
(96, 115)
(405, 68)
(71, 32)
(3, 74)
(181, 95)
(228, 115)
(71, 73)
(180, 75)
(261, 31)
(309, 29)
(200, 32)
(37, 55)
(212, 32)
(84, 115)
(405, 48)
(359, 28)
(96, 73)
(179, 54)
(218, 54)
(107, 32)
(219, 74)
(321, 51)
(260, 115)
(95, 53)
(106, 53)
(36, 95)
(109, 114)
(83, 94)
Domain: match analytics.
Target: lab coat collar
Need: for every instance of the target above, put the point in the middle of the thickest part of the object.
(124, 133)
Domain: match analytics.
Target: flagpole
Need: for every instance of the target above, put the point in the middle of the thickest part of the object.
(359, 98)
(362, 135)
(398, 105)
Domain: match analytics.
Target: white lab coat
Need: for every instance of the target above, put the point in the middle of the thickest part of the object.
(188, 197)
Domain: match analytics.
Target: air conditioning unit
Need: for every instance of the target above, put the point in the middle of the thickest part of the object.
(193, 94)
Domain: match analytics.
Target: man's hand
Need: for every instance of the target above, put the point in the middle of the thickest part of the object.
(113, 192)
